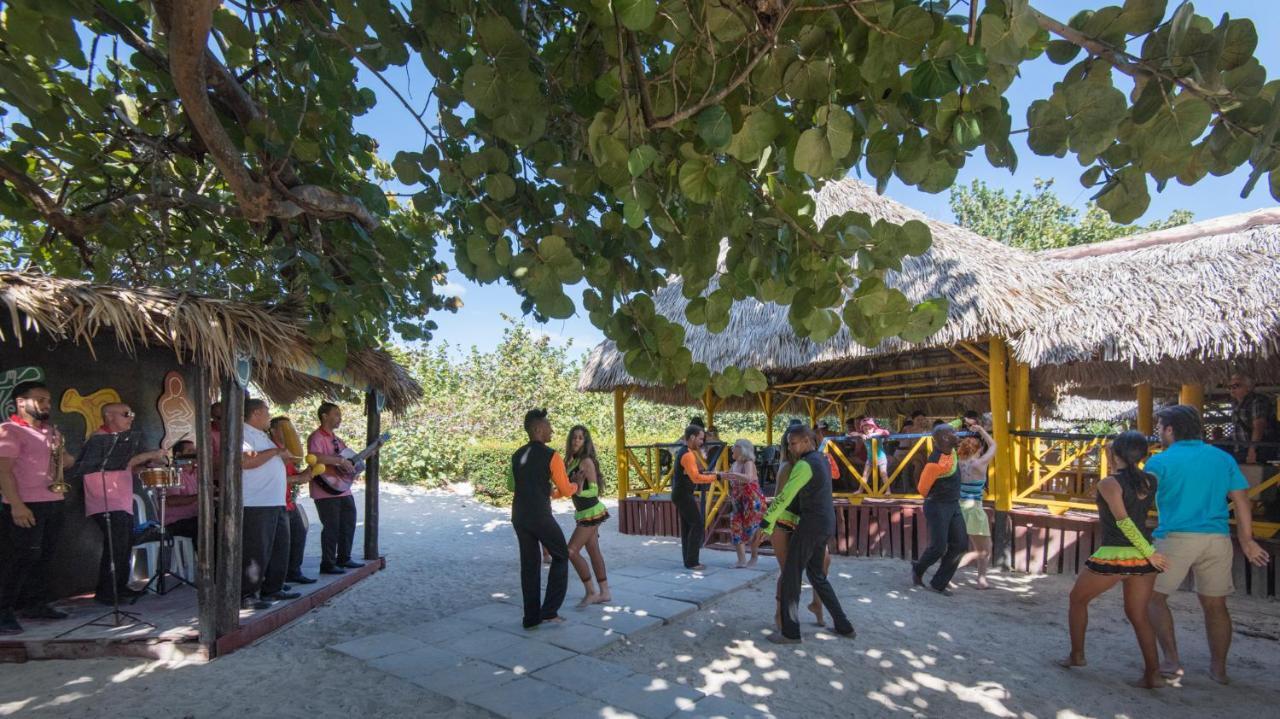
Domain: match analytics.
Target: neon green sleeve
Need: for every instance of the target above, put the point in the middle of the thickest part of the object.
(801, 473)
(1134, 535)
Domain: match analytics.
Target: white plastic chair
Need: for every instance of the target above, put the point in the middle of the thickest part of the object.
(145, 555)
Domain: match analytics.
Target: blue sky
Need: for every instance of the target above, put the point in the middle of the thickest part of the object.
(480, 321)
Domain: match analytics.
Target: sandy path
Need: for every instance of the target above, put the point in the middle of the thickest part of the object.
(916, 653)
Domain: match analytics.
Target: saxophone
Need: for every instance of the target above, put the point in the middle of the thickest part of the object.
(58, 485)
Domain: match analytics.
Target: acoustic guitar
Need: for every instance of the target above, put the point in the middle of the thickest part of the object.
(337, 480)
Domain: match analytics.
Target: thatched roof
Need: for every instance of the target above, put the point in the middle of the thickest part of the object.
(1188, 304)
(201, 330)
(993, 290)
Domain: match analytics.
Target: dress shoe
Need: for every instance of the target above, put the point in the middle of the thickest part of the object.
(333, 570)
(251, 603)
(9, 624)
(299, 579)
(281, 595)
(43, 611)
(286, 587)
(350, 564)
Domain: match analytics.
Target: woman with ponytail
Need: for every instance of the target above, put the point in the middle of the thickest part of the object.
(1126, 555)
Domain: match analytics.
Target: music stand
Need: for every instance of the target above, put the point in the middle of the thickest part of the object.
(117, 614)
(165, 555)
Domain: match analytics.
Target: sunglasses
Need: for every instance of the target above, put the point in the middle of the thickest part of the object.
(127, 415)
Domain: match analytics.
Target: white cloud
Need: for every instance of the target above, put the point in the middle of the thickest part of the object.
(452, 289)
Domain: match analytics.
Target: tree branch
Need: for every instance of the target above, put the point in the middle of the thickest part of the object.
(48, 208)
(642, 82)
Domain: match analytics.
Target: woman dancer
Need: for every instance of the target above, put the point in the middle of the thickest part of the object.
(782, 533)
(590, 513)
(1126, 555)
(746, 502)
(973, 481)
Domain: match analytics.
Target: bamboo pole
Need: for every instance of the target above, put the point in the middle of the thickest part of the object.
(766, 404)
(1192, 394)
(1000, 424)
(620, 442)
(1022, 413)
(1146, 409)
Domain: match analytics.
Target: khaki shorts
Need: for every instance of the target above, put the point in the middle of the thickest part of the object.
(1208, 557)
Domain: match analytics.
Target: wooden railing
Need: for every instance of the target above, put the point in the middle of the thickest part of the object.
(645, 461)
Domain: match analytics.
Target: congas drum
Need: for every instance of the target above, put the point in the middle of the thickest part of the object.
(160, 478)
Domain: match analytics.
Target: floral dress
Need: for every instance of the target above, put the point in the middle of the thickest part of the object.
(747, 507)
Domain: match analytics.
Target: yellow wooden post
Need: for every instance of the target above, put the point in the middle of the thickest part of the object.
(1146, 409)
(709, 403)
(998, 380)
(766, 404)
(1022, 413)
(1192, 394)
(620, 442)
(812, 404)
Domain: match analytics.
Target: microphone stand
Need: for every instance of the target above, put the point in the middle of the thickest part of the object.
(117, 614)
(165, 554)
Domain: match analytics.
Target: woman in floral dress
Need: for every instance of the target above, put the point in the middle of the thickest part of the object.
(747, 502)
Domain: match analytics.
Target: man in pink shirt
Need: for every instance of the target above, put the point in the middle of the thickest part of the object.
(182, 504)
(31, 516)
(332, 493)
(106, 462)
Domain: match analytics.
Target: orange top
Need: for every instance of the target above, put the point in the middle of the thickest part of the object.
(692, 470)
(932, 471)
(560, 478)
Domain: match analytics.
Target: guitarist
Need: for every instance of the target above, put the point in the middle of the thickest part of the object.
(337, 509)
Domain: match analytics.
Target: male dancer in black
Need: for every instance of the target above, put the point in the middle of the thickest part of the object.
(535, 467)
(948, 538)
(688, 472)
(807, 495)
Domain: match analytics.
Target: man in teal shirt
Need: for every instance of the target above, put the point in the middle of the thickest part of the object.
(1194, 482)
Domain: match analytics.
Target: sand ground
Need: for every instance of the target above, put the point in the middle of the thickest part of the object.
(917, 654)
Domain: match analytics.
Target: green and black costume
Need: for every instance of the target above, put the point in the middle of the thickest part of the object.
(589, 511)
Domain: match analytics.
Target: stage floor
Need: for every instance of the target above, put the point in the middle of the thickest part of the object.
(175, 616)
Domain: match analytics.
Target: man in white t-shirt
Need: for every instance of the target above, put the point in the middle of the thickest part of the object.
(266, 525)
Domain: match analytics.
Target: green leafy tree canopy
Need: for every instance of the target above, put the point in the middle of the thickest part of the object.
(211, 145)
(1039, 220)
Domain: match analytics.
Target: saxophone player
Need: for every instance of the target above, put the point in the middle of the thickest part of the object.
(32, 455)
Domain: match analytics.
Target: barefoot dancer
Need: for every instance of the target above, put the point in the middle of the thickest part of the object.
(1126, 555)
(973, 480)
(940, 485)
(780, 535)
(747, 502)
(584, 470)
(688, 472)
(538, 474)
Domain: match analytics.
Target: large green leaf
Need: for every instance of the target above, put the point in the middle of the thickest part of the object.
(813, 154)
(636, 14)
(714, 127)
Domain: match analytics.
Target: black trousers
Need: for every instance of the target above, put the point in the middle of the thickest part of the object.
(691, 530)
(533, 534)
(805, 552)
(948, 541)
(118, 552)
(25, 553)
(338, 518)
(297, 542)
(266, 550)
(189, 528)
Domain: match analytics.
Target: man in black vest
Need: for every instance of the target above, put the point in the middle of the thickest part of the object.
(688, 472)
(535, 467)
(807, 495)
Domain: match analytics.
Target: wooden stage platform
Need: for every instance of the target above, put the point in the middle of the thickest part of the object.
(1042, 543)
(175, 635)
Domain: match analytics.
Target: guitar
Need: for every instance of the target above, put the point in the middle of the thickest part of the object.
(338, 480)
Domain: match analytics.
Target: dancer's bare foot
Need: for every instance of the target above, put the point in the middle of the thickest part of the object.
(698, 567)
(740, 564)
(1219, 677)
(588, 600)
(752, 562)
(1170, 669)
(816, 608)
(603, 597)
(1073, 660)
(982, 583)
(554, 620)
(1148, 681)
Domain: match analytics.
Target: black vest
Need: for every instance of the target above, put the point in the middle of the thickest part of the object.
(681, 485)
(531, 468)
(813, 502)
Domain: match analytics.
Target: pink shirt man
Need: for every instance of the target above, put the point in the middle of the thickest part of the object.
(28, 447)
(322, 442)
(189, 488)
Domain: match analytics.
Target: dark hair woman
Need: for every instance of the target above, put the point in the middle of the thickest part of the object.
(1126, 555)
(590, 513)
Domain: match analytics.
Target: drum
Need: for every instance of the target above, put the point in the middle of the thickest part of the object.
(160, 478)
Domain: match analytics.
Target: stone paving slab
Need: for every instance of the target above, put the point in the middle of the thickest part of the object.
(699, 595)
(647, 696)
(484, 642)
(721, 708)
(376, 645)
(523, 656)
(582, 674)
(417, 662)
(595, 709)
(622, 622)
(667, 610)
(442, 630)
(635, 571)
(637, 585)
(574, 636)
(469, 677)
(492, 613)
(525, 698)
